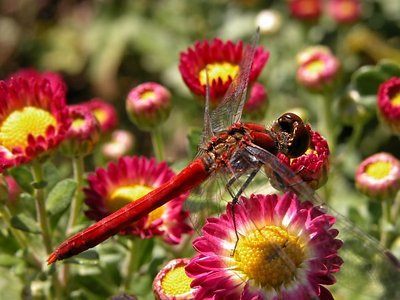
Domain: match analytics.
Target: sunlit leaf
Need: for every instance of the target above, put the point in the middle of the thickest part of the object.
(60, 196)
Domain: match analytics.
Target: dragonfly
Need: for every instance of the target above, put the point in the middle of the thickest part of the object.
(241, 150)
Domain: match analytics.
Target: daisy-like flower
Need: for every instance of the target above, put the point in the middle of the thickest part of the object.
(286, 250)
(33, 120)
(313, 165)
(55, 79)
(84, 132)
(257, 104)
(128, 180)
(172, 282)
(120, 144)
(319, 71)
(305, 10)
(221, 61)
(378, 176)
(148, 105)
(389, 103)
(345, 11)
(104, 112)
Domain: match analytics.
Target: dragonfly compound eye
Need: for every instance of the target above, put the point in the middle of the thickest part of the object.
(295, 134)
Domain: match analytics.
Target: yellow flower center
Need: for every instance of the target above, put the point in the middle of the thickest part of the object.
(218, 70)
(126, 194)
(270, 256)
(19, 124)
(147, 95)
(316, 66)
(78, 123)
(396, 99)
(176, 282)
(100, 115)
(379, 169)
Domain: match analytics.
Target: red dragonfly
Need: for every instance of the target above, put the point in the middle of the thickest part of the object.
(241, 150)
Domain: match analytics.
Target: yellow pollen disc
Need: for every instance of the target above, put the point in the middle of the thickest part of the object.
(316, 66)
(379, 169)
(218, 70)
(78, 123)
(100, 115)
(147, 95)
(176, 282)
(19, 124)
(396, 100)
(124, 195)
(270, 256)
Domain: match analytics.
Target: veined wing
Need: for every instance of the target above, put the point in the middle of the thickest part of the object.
(229, 111)
(369, 271)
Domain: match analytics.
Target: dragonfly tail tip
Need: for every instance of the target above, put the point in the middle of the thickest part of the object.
(51, 259)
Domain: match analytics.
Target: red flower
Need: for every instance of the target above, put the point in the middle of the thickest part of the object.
(389, 103)
(307, 10)
(222, 62)
(33, 117)
(257, 104)
(128, 180)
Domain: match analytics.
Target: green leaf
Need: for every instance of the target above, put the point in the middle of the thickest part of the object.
(89, 257)
(194, 138)
(25, 223)
(7, 260)
(23, 177)
(391, 68)
(60, 196)
(367, 79)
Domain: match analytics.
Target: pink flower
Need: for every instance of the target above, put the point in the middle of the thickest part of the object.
(104, 112)
(128, 180)
(306, 10)
(345, 11)
(257, 103)
(378, 176)
(286, 250)
(172, 282)
(319, 71)
(120, 144)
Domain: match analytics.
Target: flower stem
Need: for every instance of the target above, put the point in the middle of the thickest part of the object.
(396, 208)
(79, 169)
(76, 205)
(40, 206)
(132, 263)
(158, 144)
(385, 224)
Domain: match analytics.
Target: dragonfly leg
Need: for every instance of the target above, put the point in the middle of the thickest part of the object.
(235, 199)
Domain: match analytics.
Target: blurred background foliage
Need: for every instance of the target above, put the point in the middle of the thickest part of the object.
(104, 48)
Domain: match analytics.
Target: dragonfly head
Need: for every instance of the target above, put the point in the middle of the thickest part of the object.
(292, 134)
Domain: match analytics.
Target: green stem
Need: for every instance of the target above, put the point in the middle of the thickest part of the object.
(355, 136)
(158, 144)
(19, 236)
(40, 206)
(329, 128)
(385, 224)
(76, 205)
(132, 263)
(396, 208)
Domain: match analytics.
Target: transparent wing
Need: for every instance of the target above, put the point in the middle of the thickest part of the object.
(369, 271)
(229, 111)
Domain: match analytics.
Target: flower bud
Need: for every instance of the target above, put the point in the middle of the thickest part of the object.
(345, 11)
(104, 113)
(318, 72)
(378, 176)
(305, 10)
(84, 132)
(389, 103)
(148, 105)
